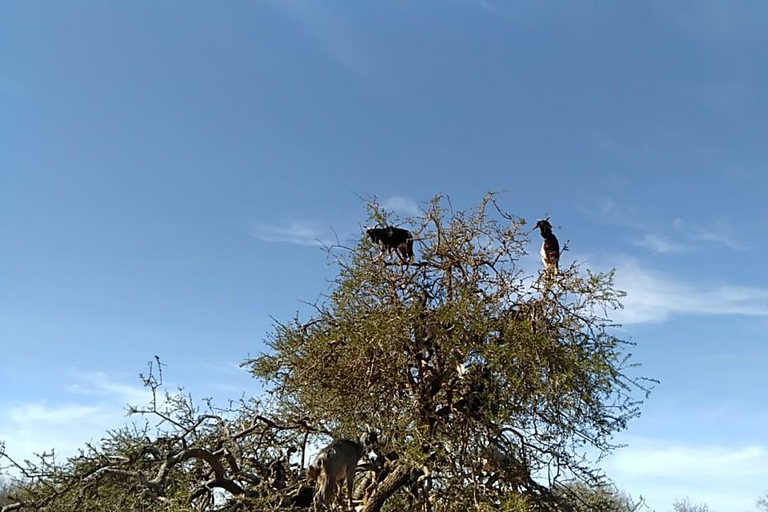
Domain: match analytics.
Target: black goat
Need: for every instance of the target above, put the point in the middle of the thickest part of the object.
(391, 239)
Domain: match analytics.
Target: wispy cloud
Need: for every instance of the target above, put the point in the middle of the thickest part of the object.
(741, 174)
(635, 154)
(664, 471)
(312, 233)
(98, 384)
(222, 366)
(530, 12)
(718, 233)
(402, 205)
(228, 379)
(653, 296)
(337, 37)
(717, 236)
(296, 232)
(720, 96)
(609, 212)
(716, 18)
(30, 428)
(683, 236)
(660, 244)
(41, 412)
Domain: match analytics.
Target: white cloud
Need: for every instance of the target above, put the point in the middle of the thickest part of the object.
(653, 296)
(723, 477)
(99, 384)
(57, 414)
(297, 232)
(94, 404)
(685, 236)
(718, 233)
(222, 366)
(660, 244)
(39, 427)
(611, 213)
(402, 205)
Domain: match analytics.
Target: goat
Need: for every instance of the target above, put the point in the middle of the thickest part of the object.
(391, 239)
(550, 248)
(333, 464)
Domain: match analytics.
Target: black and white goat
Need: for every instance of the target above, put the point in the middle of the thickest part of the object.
(550, 248)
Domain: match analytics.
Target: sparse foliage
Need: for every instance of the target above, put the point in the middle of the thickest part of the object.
(486, 386)
(605, 498)
(685, 505)
(762, 504)
(6, 491)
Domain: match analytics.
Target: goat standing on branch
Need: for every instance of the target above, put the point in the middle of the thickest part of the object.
(550, 248)
(391, 239)
(333, 464)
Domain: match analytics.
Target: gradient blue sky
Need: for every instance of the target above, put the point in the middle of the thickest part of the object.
(166, 168)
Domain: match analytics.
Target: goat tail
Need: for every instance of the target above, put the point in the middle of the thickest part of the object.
(326, 489)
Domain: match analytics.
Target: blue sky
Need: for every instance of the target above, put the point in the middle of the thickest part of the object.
(165, 171)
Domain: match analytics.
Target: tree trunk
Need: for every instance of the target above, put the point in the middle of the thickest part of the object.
(401, 476)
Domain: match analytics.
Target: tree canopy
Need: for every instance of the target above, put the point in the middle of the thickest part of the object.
(488, 385)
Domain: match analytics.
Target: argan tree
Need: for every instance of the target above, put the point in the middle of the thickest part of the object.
(488, 386)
